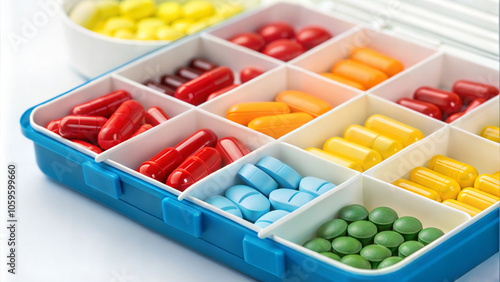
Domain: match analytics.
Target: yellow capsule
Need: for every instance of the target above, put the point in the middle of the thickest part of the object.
(371, 139)
(476, 198)
(446, 187)
(198, 9)
(169, 11)
(279, 125)
(299, 101)
(244, 113)
(115, 23)
(488, 183)
(86, 14)
(496, 174)
(394, 129)
(335, 159)
(137, 9)
(472, 211)
(228, 10)
(213, 19)
(108, 8)
(463, 173)
(364, 156)
(151, 24)
(197, 26)
(182, 24)
(124, 33)
(417, 189)
(491, 133)
(343, 80)
(145, 35)
(168, 33)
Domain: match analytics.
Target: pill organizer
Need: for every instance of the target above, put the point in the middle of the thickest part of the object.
(275, 252)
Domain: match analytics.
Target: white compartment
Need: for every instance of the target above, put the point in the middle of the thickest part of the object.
(475, 121)
(131, 154)
(169, 59)
(370, 193)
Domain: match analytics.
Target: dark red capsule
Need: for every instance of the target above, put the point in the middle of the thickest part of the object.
(53, 125)
(81, 127)
(247, 74)
(202, 65)
(230, 149)
(222, 91)
(470, 90)
(143, 128)
(122, 123)
(311, 36)
(200, 139)
(197, 90)
(87, 145)
(194, 168)
(474, 104)
(448, 102)
(454, 117)
(188, 73)
(172, 81)
(422, 107)
(102, 106)
(155, 116)
(159, 87)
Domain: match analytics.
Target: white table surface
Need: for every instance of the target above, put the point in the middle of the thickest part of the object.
(62, 235)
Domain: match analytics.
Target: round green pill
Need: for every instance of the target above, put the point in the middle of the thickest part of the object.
(408, 248)
(346, 246)
(375, 254)
(332, 229)
(390, 240)
(356, 261)
(429, 234)
(353, 213)
(330, 255)
(383, 218)
(362, 230)
(388, 262)
(318, 245)
(408, 226)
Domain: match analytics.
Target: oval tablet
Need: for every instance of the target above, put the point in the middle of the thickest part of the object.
(315, 186)
(224, 204)
(286, 176)
(255, 177)
(288, 199)
(270, 217)
(299, 101)
(243, 113)
(251, 202)
(279, 125)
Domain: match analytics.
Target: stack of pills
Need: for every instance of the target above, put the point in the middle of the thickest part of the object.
(363, 147)
(270, 190)
(371, 240)
(290, 110)
(454, 183)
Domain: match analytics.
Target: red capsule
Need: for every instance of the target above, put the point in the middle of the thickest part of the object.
(122, 123)
(283, 49)
(474, 104)
(143, 128)
(81, 127)
(161, 165)
(448, 102)
(53, 125)
(470, 90)
(454, 117)
(159, 87)
(188, 73)
(155, 116)
(250, 40)
(87, 145)
(202, 65)
(172, 81)
(276, 30)
(312, 36)
(103, 106)
(194, 168)
(197, 90)
(222, 91)
(247, 74)
(231, 149)
(422, 107)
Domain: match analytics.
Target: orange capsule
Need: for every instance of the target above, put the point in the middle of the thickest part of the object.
(335, 159)
(488, 183)
(463, 173)
(417, 189)
(279, 125)
(243, 113)
(343, 80)
(359, 72)
(299, 101)
(476, 198)
(472, 211)
(377, 60)
(446, 187)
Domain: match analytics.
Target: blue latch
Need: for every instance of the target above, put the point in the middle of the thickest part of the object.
(103, 180)
(262, 254)
(182, 217)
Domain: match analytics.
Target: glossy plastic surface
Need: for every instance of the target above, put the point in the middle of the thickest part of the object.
(197, 90)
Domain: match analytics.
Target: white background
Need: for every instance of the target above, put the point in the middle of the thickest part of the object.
(63, 236)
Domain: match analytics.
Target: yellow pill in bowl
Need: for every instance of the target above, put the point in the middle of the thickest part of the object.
(108, 8)
(124, 33)
(198, 9)
(86, 14)
(150, 24)
(168, 33)
(115, 23)
(169, 11)
(182, 24)
(137, 9)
